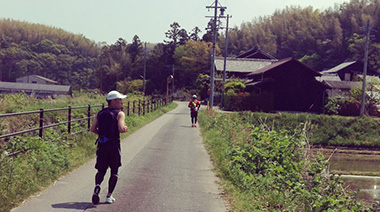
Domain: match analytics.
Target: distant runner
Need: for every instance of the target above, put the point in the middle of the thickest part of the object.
(108, 124)
(194, 106)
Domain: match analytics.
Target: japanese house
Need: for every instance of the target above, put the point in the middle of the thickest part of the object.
(287, 85)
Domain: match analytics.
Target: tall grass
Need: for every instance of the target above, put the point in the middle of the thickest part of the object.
(325, 130)
(44, 160)
(263, 169)
(20, 102)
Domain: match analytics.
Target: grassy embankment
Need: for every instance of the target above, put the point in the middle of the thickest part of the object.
(266, 164)
(57, 153)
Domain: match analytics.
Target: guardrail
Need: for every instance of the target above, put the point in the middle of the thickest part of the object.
(139, 107)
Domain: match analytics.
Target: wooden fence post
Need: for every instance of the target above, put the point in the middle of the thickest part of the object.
(147, 106)
(133, 110)
(41, 122)
(69, 121)
(143, 105)
(88, 116)
(139, 106)
(128, 109)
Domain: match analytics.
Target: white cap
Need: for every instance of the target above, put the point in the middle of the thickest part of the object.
(115, 95)
(194, 96)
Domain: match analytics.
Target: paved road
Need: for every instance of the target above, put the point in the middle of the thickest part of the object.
(165, 168)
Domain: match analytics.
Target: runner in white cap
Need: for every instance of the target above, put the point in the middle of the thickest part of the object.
(108, 124)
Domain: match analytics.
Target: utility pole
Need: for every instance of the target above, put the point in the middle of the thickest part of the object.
(365, 69)
(173, 83)
(215, 32)
(225, 60)
(144, 69)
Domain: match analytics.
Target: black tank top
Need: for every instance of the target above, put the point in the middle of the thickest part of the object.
(107, 125)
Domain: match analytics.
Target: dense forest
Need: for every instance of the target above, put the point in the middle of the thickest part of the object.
(27, 48)
(321, 39)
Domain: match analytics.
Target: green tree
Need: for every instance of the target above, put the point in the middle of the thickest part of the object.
(133, 86)
(193, 59)
(159, 67)
(202, 84)
(135, 50)
(356, 48)
(195, 34)
(176, 35)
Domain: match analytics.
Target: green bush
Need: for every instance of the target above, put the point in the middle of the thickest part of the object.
(243, 101)
(130, 87)
(271, 170)
(235, 86)
(236, 101)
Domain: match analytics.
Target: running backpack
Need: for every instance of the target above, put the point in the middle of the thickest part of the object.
(107, 125)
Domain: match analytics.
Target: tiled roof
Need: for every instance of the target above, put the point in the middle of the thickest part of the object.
(338, 67)
(254, 83)
(255, 52)
(241, 65)
(40, 77)
(280, 63)
(331, 77)
(31, 87)
(46, 79)
(343, 85)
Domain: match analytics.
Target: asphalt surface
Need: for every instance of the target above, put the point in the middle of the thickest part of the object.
(165, 168)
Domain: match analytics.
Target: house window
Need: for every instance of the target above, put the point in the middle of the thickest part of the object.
(34, 82)
(347, 77)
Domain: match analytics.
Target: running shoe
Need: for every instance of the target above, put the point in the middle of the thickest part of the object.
(110, 199)
(95, 196)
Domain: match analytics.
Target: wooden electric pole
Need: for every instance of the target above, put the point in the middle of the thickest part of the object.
(215, 32)
(362, 105)
(144, 83)
(225, 60)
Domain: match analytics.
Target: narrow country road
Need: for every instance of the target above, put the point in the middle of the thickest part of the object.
(165, 168)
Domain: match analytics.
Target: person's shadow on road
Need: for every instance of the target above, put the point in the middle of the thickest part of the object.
(74, 205)
(186, 126)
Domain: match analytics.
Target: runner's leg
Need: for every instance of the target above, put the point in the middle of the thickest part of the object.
(112, 181)
(98, 180)
(99, 176)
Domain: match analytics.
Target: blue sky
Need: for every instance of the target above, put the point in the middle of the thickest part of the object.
(108, 20)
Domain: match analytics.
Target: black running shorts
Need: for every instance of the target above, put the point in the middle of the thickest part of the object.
(108, 156)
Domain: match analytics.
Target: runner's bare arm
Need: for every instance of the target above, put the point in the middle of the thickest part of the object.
(94, 129)
(121, 122)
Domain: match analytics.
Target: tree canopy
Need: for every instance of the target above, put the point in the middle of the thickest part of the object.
(27, 48)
